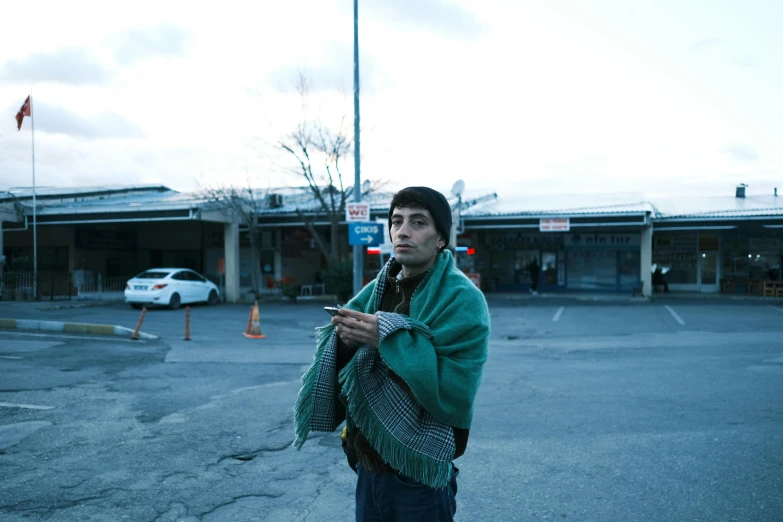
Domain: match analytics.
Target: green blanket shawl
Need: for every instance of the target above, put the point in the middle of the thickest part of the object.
(439, 351)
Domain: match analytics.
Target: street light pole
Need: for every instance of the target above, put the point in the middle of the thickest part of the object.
(358, 250)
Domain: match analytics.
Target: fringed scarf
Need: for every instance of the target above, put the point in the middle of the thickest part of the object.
(439, 351)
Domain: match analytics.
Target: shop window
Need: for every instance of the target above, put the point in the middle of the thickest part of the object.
(677, 255)
(683, 268)
(592, 270)
(549, 268)
(54, 259)
(267, 260)
(629, 269)
(764, 258)
(522, 261)
(735, 259)
(764, 265)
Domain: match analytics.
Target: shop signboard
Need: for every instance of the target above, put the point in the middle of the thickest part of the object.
(521, 241)
(603, 240)
(554, 225)
(765, 244)
(685, 242)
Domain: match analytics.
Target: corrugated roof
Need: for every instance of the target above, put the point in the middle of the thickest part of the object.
(45, 192)
(565, 205)
(103, 199)
(301, 198)
(153, 200)
(713, 208)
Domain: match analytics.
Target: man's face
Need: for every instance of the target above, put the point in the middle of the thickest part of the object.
(416, 240)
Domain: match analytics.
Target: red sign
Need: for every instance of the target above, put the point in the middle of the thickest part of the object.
(357, 212)
(555, 225)
(221, 266)
(476, 278)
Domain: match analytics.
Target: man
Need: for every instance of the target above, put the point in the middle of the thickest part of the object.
(401, 363)
(535, 274)
(658, 280)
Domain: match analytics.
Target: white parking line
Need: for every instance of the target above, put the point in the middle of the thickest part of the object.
(9, 357)
(776, 308)
(674, 314)
(25, 406)
(556, 318)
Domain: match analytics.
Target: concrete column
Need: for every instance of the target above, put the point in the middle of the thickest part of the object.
(646, 260)
(2, 259)
(278, 254)
(231, 247)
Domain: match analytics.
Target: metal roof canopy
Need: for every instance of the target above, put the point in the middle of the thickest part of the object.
(116, 205)
(157, 202)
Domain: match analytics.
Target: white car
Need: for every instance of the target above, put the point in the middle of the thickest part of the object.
(170, 287)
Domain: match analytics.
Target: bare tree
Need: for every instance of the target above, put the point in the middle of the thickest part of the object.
(319, 151)
(244, 204)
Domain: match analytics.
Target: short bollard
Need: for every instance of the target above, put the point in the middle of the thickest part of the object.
(135, 335)
(187, 323)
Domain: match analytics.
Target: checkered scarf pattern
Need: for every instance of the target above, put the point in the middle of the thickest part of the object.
(403, 432)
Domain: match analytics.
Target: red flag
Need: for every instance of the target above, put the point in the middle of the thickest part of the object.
(24, 111)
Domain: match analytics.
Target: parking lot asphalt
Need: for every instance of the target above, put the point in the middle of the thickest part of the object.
(523, 317)
(588, 411)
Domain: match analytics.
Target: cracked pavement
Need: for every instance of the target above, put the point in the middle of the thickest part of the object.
(612, 413)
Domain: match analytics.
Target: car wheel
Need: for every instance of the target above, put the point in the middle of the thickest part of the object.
(174, 301)
(136, 306)
(212, 300)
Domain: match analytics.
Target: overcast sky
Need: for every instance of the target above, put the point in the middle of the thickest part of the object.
(545, 96)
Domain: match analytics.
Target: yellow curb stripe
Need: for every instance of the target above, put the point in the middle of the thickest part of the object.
(100, 329)
(75, 328)
(8, 323)
(95, 329)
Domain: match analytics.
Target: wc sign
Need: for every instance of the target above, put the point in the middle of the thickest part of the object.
(356, 212)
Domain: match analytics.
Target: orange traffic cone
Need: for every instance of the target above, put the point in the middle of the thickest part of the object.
(254, 324)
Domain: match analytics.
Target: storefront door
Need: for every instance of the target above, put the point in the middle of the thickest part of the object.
(549, 269)
(708, 272)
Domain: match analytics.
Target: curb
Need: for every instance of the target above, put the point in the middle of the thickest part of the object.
(72, 328)
(90, 304)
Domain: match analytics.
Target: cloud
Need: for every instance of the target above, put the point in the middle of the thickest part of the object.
(723, 51)
(443, 16)
(332, 71)
(55, 119)
(740, 152)
(705, 44)
(68, 66)
(160, 41)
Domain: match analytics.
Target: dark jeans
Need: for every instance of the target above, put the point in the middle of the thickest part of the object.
(389, 497)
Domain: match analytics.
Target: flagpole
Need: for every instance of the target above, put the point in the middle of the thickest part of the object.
(35, 231)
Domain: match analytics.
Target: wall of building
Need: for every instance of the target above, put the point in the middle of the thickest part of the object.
(705, 260)
(583, 261)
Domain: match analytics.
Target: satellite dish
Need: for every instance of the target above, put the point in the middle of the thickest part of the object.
(458, 188)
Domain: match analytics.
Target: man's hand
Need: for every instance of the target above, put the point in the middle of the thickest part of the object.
(356, 328)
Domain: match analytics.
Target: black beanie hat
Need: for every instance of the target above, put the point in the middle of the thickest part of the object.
(437, 205)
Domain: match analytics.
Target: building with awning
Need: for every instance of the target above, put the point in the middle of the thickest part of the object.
(581, 243)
